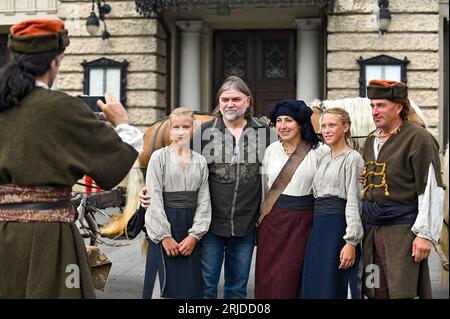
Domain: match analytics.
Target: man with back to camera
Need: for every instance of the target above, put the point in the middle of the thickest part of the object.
(49, 140)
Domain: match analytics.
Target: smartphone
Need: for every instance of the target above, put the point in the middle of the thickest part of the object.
(91, 101)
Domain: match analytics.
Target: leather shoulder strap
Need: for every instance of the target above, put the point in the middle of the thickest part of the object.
(283, 178)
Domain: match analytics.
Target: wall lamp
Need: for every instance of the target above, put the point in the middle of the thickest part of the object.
(93, 23)
(384, 16)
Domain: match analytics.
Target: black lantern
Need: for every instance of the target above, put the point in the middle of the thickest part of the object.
(384, 16)
(93, 22)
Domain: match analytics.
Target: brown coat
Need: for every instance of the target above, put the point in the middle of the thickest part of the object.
(407, 156)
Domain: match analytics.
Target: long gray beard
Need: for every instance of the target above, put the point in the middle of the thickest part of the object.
(234, 116)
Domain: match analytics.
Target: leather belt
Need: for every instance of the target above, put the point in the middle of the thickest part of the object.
(35, 206)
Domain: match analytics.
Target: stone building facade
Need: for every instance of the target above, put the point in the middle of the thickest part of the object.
(135, 39)
(178, 60)
(13, 11)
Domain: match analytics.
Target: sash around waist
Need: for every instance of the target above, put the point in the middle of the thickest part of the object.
(393, 214)
(35, 203)
(330, 205)
(294, 202)
(180, 199)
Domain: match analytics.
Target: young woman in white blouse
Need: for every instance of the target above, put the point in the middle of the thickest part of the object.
(333, 251)
(283, 233)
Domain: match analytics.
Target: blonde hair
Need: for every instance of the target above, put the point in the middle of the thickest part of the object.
(181, 112)
(344, 117)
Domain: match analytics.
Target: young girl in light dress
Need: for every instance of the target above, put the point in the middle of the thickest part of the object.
(333, 250)
(179, 213)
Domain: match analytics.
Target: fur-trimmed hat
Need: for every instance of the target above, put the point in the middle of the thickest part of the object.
(38, 36)
(386, 89)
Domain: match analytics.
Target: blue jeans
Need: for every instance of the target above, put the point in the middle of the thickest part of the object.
(238, 253)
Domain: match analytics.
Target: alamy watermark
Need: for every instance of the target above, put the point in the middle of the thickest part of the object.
(372, 276)
(218, 146)
(73, 277)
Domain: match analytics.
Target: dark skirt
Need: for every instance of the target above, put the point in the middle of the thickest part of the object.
(179, 277)
(43, 260)
(321, 277)
(281, 245)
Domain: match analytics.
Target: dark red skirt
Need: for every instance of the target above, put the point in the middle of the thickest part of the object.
(281, 247)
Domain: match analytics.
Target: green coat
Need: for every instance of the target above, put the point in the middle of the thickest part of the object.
(53, 139)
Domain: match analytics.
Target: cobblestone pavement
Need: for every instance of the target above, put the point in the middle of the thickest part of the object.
(128, 265)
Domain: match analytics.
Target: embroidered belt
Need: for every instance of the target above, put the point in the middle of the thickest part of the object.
(35, 203)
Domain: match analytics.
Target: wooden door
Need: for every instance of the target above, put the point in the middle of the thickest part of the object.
(264, 59)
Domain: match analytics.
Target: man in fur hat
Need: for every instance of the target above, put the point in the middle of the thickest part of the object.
(403, 196)
(48, 141)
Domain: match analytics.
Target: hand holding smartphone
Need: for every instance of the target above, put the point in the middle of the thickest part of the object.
(111, 109)
(91, 101)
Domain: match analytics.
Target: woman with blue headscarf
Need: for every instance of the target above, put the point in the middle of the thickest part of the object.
(284, 232)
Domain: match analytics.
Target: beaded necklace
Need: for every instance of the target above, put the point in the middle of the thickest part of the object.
(286, 150)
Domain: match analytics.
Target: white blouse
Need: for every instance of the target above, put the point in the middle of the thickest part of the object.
(338, 177)
(301, 183)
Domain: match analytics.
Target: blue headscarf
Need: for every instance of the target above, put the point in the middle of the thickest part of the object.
(301, 113)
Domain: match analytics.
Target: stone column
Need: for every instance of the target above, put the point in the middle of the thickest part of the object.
(190, 75)
(309, 74)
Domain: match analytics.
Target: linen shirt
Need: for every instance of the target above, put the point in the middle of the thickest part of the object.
(338, 177)
(164, 174)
